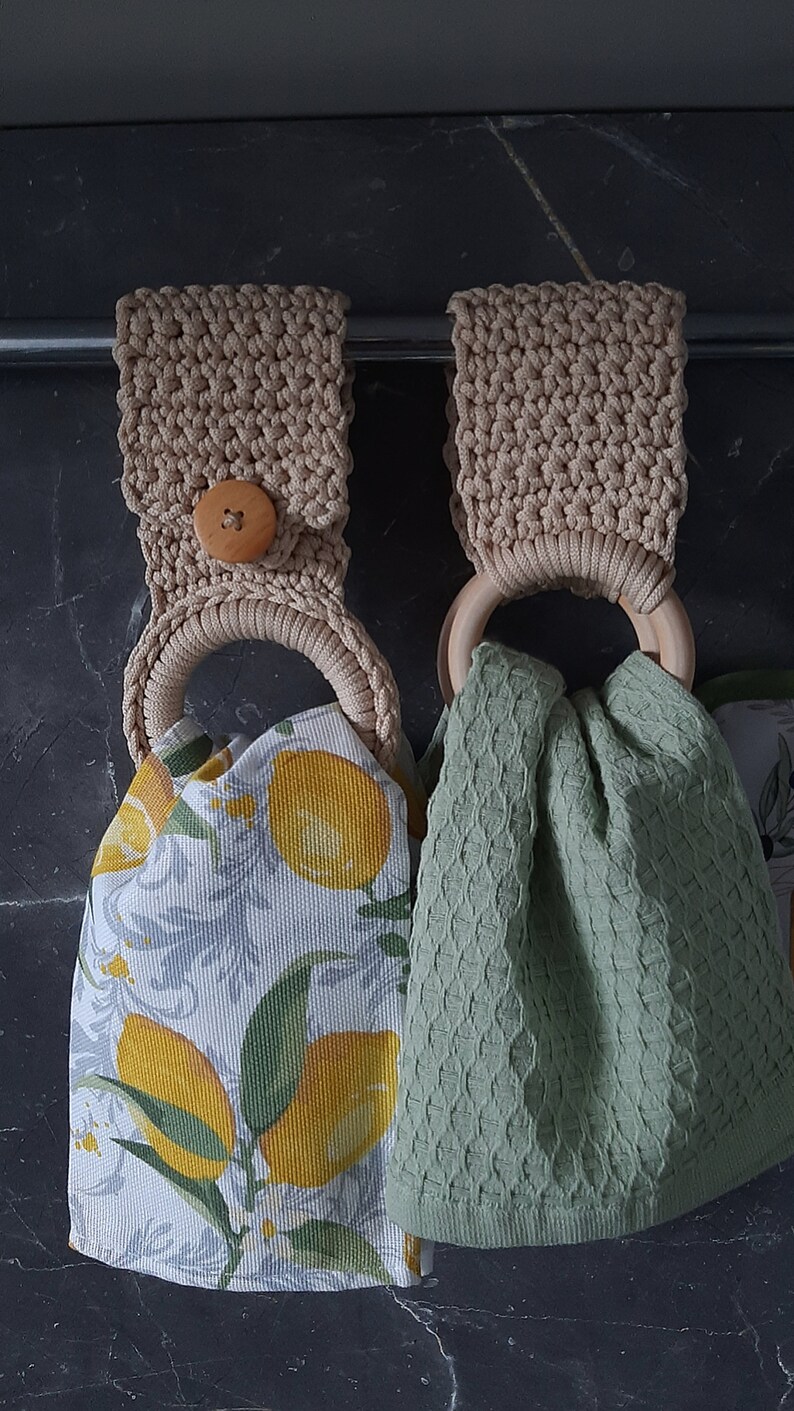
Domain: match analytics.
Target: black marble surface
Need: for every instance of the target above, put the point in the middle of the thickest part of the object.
(692, 1316)
(399, 212)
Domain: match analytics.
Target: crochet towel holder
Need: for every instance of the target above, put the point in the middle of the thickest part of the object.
(237, 1003)
(247, 387)
(567, 458)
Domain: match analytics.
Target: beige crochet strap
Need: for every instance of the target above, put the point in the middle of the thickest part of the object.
(242, 384)
(566, 446)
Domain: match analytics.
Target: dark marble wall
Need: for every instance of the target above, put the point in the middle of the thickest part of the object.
(692, 1316)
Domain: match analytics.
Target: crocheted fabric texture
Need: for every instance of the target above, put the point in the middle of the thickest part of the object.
(248, 384)
(599, 1025)
(566, 447)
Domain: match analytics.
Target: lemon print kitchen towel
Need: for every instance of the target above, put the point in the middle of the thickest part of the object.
(237, 1014)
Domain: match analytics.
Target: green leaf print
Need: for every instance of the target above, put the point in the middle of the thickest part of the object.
(284, 727)
(783, 776)
(183, 1128)
(393, 945)
(203, 1196)
(273, 1049)
(768, 798)
(184, 759)
(392, 909)
(184, 821)
(321, 1244)
(83, 963)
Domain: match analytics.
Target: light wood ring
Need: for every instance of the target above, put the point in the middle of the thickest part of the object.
(665, 634)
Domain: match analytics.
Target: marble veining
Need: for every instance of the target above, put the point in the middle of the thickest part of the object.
(688, 1317)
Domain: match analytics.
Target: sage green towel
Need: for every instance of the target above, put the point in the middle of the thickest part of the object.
(599, 1024)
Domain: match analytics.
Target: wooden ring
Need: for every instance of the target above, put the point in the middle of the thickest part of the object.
(665, 634)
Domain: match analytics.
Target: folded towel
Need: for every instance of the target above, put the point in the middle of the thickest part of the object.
(237, 1015)
(599, 1027)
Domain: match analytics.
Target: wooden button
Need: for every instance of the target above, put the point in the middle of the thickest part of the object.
(235, 521)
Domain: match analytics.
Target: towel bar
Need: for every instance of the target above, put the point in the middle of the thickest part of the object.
(385, 338)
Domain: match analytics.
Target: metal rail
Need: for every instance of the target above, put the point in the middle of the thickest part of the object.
(387, 339)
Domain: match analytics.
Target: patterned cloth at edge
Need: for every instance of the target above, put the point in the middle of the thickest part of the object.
(759, 732)
(237, 1014)
(599, 1022)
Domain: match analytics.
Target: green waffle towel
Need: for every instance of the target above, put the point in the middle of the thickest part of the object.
(599, 1024)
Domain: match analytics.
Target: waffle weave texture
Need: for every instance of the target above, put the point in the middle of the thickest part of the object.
(599, 1025)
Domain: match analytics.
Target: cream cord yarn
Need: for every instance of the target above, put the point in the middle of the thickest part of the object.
(566, 446)
(248, 384)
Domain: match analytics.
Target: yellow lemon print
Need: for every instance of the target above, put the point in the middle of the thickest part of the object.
(214, 767)
(342, 1107)
(329, 819)
(168, 1066)
(243, 807)
(417, 805)
(412, 1249)
(142, 815)
(118, 968)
